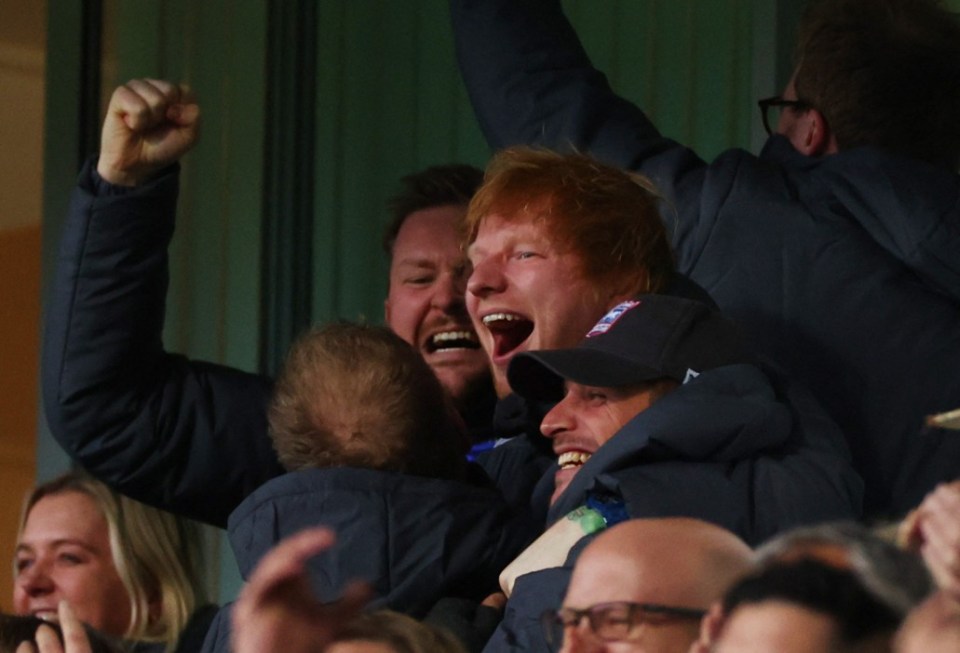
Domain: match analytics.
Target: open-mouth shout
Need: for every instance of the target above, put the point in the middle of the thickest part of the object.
(509, 331)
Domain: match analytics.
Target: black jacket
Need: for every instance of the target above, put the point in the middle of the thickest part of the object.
(413, 539)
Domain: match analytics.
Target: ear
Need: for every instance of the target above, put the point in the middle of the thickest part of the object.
(386, 311)
(812, 136)
(710, 627)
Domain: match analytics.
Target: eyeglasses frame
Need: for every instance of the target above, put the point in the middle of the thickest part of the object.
(552, 618)
(778, 101)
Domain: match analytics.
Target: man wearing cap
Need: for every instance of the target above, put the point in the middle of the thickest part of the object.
(662, 411)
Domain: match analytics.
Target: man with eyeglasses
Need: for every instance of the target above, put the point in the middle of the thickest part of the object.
(837, 248)
(644, 585)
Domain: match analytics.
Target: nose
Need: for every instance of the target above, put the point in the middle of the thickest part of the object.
(487, 278)
(558, 420)
(448, 294)
(34, 581)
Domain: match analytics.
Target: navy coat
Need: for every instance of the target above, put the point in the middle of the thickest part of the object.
(414, 539)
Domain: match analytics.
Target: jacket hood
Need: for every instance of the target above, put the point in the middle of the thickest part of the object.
(909, 208)
(413, 539)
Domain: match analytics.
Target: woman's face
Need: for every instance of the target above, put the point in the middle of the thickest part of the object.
(64, 554)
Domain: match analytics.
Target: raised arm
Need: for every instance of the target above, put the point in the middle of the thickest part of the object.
(186, 436)
(530, 82)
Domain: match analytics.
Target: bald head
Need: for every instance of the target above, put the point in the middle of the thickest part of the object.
(677, 562)
(673, 561)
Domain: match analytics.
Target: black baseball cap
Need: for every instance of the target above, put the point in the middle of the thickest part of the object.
(649, 337)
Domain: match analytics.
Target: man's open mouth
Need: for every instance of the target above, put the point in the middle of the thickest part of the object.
(509, 331)
(571, 459)
(451, 340)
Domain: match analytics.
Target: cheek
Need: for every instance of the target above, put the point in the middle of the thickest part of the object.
(473, 306)
(19, 599)
(107, 608)
(76, 587)
(406, 314)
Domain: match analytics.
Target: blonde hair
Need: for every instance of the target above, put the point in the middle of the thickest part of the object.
(157, 555)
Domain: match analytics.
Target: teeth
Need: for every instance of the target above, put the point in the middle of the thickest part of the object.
(454, 335)
(572, 459)
(501, 317)
(452, 340)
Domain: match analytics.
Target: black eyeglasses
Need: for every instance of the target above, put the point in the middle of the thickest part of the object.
(618, 620)
(778, 102)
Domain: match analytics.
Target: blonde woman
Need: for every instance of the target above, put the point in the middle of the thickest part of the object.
(126, 569)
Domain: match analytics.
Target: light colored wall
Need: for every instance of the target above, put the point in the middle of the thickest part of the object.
(22, 46)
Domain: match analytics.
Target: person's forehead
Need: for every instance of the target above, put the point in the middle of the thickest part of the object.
(428, 236)
(622, 394)
(497, 231)
(622, 576)
(437, 224)
(775, 625)
(65, 515)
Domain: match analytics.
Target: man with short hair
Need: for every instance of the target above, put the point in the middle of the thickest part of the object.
(836, 248)
(644, 584)
(427, 281)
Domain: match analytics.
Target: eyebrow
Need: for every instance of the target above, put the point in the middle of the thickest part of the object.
(416, 263)
(472, 248)
(55, 544)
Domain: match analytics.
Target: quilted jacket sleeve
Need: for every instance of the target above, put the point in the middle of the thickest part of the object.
(186, 436)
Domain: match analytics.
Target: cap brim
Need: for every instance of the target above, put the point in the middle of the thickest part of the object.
(539, 375)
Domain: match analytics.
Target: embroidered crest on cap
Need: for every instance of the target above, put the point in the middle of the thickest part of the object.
(691, 375)
(611, 318)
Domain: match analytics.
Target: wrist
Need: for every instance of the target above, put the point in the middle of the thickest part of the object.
(117, 176)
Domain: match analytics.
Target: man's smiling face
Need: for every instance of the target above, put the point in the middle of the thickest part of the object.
(425, 305)
(526, 294)
(587, 417)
